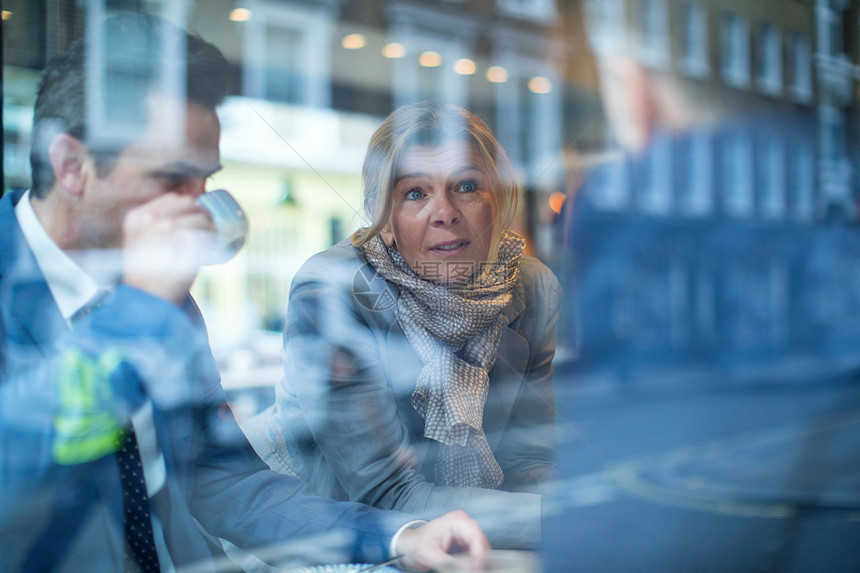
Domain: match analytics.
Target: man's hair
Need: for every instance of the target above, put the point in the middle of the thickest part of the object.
(132, 59)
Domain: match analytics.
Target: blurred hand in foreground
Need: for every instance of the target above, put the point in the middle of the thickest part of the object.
(430, 545)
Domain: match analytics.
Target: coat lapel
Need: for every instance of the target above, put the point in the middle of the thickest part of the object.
(506, 377)
(30, 314)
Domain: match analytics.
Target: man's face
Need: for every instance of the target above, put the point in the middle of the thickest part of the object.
(163, 160)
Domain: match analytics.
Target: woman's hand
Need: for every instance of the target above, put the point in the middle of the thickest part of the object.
(430, 545)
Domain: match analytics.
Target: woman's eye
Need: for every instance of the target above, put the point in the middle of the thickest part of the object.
(414, 194)
(468, 186)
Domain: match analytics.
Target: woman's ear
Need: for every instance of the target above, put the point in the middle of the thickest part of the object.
(70, 162)
(387, 235)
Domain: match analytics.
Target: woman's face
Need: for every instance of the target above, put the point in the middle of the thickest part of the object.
(442, 211)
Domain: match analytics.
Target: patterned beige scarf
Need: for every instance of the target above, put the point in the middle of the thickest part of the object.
(455, 329)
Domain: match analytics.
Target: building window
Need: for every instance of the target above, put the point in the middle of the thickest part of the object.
(613, 182)
(113, 76)
(833, 132)
(287, 53)
(800, 67)
(778, 296)
(735, 48)
(282, 71)
(694, 40)
(337, 230)
(697, 173)
(656, 176)
(605, 36)
(769, 59)
(16, 160)
(432, 41)
(829, 31)
(704, 299)
(542, 11)
(801, 182)
(737, 153)
(773, 188)
(654, 47)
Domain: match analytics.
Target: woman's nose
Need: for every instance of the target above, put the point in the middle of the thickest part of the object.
(444, 210)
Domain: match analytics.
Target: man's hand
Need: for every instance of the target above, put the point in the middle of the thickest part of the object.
(429, 546)
(166, 240)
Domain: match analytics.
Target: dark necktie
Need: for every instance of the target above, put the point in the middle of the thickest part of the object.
(140, 554)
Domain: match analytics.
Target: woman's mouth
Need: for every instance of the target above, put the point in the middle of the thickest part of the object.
(450, 247)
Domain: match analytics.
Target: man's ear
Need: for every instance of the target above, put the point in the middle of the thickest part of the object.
(387, 235)
(71, 163)
(629, 101)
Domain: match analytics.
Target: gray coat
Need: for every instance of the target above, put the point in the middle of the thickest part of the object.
(343, 419)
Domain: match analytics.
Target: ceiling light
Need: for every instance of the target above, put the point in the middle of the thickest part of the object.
(464, 66)
(353, 41)
(540, 85)
(497, 74)
(430, 59)
(393, 50)
(239, 15)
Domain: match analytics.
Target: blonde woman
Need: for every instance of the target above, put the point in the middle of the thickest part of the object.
(419, 354)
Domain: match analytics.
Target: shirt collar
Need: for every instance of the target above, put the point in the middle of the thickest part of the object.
(71, 287)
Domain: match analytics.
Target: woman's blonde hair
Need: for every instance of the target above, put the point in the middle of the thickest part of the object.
(431, 123)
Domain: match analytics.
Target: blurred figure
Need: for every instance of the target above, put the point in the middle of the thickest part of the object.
(703, 246)
(720, 404)
(117, 448)
(419, 354)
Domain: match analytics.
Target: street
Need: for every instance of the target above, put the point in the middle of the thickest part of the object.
(703, 474)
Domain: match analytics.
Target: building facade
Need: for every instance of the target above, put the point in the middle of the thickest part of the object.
(313, 78)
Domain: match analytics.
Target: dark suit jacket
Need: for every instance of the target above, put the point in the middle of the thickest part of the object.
(66, 513)
(344, 411)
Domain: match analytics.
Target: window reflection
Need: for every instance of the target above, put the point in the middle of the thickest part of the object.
(715, 252)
